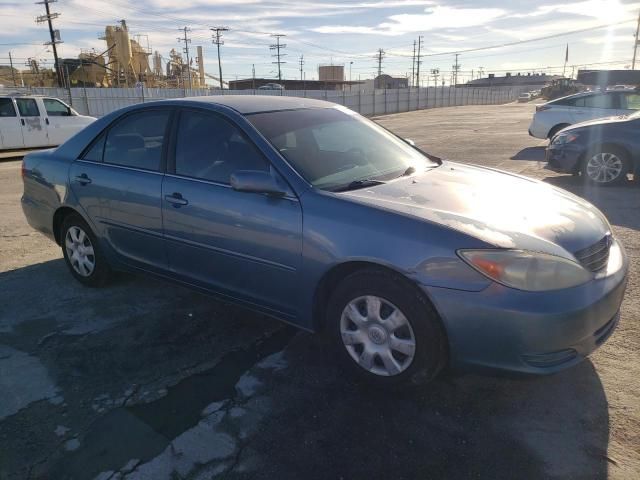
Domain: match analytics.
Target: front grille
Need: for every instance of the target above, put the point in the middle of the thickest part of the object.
(595, 257)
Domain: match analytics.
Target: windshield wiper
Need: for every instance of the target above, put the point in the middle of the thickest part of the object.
(362, 183)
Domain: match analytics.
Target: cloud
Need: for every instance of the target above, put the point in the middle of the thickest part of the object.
(438, 17)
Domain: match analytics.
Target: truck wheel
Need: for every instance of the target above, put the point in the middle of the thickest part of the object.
(384, 331)
(82, 252)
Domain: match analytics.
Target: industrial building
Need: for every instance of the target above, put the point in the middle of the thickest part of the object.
(509, 80)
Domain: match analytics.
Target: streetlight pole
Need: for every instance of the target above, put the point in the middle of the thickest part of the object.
(350, 64)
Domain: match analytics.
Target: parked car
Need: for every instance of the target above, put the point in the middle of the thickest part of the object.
(553, 116)
(271, 86)
(34, 121)
(308, 212)
(524, 97)
(603, 151)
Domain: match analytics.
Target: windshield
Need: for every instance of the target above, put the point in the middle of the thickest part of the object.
(333, 148)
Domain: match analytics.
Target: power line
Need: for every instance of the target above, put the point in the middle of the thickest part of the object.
(277, 47)
(217, 41)
(53, 34)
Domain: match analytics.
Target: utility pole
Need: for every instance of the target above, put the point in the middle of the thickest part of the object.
(456, 69)
(216, 40)
(480, 72)
(635, 44)
(350, 65)
(13, 72)
(413, 63)
(379, 57)
(418, 61)
(253, 76)
(187, 41)
(301, 64)
(436, 73)
(53, 34)
(277, 47)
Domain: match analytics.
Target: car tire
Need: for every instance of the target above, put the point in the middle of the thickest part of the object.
(384, 331)
(82, 252)
(605, 166)
(556, 129)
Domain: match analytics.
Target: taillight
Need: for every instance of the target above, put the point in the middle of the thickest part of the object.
(542, 108)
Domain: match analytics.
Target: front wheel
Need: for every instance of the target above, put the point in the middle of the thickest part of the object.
(605, 166)
(385, 331)
(82, 252)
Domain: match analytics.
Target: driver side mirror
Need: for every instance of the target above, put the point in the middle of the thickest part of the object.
(257, 181)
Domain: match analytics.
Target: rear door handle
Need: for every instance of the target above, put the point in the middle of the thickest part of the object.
(83, 179)
(46, 120)
(22, 121)
(176, 199)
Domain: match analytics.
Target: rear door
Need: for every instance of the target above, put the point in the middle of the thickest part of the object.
(34, 127)
(62, 122)
(118, 183)
(596, 105)
(10, 127)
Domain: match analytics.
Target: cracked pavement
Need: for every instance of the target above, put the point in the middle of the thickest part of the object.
(146, 380)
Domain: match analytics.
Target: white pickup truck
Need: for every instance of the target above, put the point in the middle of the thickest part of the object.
(28, 121)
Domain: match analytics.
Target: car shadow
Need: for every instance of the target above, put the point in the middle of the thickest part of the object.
(619, 203)
(319, 423)
(531, 153)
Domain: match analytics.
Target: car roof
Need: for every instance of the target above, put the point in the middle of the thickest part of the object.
(246, 104)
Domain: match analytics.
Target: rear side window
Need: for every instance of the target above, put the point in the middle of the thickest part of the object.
(95, 152)
(6, 108)
(27, 107)
(596, 101)
(137, 140)
(55, 108)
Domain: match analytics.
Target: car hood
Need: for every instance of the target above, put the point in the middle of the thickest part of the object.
(502, 209)
(597, 121)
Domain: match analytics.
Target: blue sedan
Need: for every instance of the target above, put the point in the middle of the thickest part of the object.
(310, 213)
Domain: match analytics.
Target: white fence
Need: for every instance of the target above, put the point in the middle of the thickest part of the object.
(101, 101)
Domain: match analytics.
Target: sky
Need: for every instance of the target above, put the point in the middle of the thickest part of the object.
(342, 32)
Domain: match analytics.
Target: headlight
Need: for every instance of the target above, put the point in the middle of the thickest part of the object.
(564, 138)
(531, 271)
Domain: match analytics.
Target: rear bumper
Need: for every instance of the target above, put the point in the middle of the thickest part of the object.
(38, 216)
(503, 329)
(565, 159)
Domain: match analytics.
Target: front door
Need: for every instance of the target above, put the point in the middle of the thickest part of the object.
(10, 127)
(245, 245)
(597, 105)
(62, 122)
(34, 126)
(118, 182)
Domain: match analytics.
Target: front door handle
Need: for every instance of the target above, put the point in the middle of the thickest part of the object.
(83, 179)
(22, 121)
(176, 199)
(47, 121)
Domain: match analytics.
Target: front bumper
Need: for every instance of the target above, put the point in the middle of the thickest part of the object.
(503, 329)
(564, 158)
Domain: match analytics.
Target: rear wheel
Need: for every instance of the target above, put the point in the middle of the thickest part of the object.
(556, 129)
(605, 166)
(82, 252)
(384, 331)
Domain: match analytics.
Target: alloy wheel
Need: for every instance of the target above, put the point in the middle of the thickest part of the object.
(377, 336)
(604, 167)
(80, 251)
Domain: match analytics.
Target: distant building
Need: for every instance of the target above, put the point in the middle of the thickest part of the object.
(510, 80)
(253, 83)
(331, 73)
(385, 81)
(609, 77)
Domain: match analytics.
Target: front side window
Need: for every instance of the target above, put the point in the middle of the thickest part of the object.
(209, 147)
(137, 140)
(6, 108)
(630, 101)
(27, 107)
(333, 147)
(55, 108)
